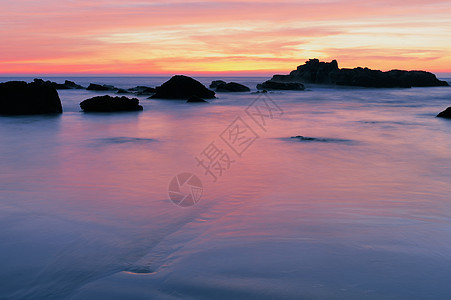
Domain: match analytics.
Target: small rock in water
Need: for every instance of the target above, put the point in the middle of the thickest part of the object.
(110, 104)
(232, 87)
(182, 87)
(303, 138)
(214, 84)
(445, 114)
(122, 91)
(98, 87)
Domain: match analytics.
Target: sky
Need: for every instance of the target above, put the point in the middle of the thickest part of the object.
(246, 37)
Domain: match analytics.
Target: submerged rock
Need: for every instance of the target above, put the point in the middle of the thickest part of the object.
(303, 138)
(275, 85)
(322, 140)
(21, 98)
(143, 90)
(122, 91)
(110, 104)
(194, 99)
(182, 87)
(231, 87)
(445, 114)
(314, 71)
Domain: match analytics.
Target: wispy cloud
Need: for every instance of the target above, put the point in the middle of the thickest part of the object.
(154, 36)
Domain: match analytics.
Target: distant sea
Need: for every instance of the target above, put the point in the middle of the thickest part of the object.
(358, 208)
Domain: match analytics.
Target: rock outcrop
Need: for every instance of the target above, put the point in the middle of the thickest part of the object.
(445, 114)
(182, 87)
(110, 104)
(314, 71)
(67, 85)
(21, 98)
(231, 87)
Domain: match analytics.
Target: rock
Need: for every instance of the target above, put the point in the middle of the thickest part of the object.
(314, 71)
(322, 140)
(21, 98)
(143, 90)
(445, 114)
(303, 138)
(72, 85)
(193, 99)
(214, 84)
(67, 85)
(275, 85)
(110, 104)
(231, 87)
(98, 87)
(182, 87)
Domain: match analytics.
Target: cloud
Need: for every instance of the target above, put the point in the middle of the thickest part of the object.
(79, 35)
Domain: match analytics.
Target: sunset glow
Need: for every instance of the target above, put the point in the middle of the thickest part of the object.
(236, 37)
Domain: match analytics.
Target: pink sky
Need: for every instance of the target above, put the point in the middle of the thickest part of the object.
(231, 37)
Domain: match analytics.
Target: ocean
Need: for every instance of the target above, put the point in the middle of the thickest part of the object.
(327, 193)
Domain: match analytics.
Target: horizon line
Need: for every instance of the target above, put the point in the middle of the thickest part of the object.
(197, 74)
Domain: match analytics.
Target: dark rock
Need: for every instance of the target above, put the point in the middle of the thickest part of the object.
(232, 87)
(72, 85)
(122, 91)
(275, 85)
(445, 114)
(21, 98)
(98, 87)
(314, 71)
(193, 99)
(182, 87)
(110, 104)
(142, 90)
(322, 140)
(67, 85)
(214, 84)
(303, 138)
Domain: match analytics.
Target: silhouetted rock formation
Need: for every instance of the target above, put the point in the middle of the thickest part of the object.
(67, 85)
(194, 99)
(182, 87)
(110, 104)
(21, 98)
(276, 85)
(445, 114)
(143, 90)
(314, 71)
(98, 87)
(231, 87)
(214, 84)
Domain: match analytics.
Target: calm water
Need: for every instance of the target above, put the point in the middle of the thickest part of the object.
(362, 212)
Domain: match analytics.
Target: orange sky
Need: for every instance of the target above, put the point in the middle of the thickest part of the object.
(199, 36)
